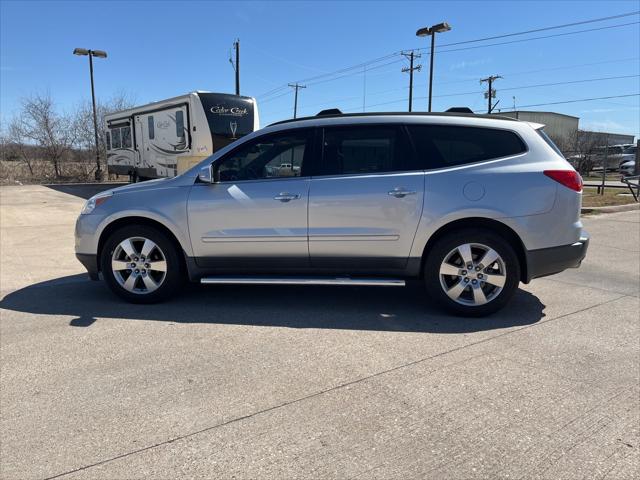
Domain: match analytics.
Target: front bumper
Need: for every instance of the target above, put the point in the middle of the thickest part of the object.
(90, 262)
(547, 261)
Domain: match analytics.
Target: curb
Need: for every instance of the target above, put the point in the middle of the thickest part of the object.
(613, 209)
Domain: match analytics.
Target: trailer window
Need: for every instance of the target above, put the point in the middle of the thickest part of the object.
(108, 140)
(126, 137)
(115, 138)
(152, 132)
(179, 123)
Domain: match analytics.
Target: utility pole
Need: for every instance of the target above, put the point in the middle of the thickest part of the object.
(410, 69)
(297, 87)
(490, 94)
(236, 65)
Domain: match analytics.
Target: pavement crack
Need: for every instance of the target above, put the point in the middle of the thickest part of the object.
(325, 391)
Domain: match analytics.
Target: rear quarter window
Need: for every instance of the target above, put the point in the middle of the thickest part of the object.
(440, 146)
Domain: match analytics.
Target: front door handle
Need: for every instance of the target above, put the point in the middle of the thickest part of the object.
(400, 192)
(286, 197)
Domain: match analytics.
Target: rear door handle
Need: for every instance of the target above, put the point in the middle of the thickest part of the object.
(400, 192)
(286, 197)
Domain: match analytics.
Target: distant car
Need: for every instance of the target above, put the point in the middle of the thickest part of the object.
(471, 205)
(628, 168)
(628, 154)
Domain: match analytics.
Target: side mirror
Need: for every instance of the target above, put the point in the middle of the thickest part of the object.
(206, 174)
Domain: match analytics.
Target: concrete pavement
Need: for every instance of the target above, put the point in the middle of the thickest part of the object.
(306, 382)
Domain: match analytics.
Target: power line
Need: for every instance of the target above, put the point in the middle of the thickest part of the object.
(360, 66)
(579, 100)
(537, 38)
(470, 48)
(542, 29)
(572, 82)
(277, 96)
(477, 92)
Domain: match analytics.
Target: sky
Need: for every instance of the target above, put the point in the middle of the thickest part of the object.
(160, 49)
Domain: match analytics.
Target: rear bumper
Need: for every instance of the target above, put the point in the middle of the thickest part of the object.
(548, 261)
(90, 262)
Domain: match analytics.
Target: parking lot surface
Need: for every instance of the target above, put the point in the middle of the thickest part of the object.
(311, 382)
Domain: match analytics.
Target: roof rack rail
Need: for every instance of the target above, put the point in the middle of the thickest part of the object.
(325, 115)
(329, 111)
(460, 110)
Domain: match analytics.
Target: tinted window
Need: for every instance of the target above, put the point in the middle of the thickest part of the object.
(270, 156)
(179, 123)
(108, 140)
(371, 149)
(126, 137)
(444, 146)
(546, 138)
(115, 138)
(152, 131)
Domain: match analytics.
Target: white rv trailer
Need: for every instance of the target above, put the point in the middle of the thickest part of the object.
(166, 138)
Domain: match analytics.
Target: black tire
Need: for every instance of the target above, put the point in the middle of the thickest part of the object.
(440, 251)
(173, 278)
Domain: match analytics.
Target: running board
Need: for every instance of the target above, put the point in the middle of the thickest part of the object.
(368, 282)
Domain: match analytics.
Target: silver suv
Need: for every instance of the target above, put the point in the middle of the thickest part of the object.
(471, 205)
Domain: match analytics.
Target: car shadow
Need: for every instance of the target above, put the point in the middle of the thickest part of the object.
(83, 190)
(352, 308)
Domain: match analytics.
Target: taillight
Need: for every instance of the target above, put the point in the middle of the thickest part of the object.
(569, 178)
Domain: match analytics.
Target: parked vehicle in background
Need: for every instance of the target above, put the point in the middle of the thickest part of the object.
(471, 205)
(613, 156)
(628, 154)
(166, 138)
(628, 168)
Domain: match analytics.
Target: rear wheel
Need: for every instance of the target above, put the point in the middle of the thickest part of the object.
(141, 264)
(472, 272)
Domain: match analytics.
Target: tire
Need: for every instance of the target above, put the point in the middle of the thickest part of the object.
(461, 290)
(149, 279)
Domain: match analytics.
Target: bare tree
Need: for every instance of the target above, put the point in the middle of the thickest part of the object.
(18, 145)
(583, 146)
(84, 138)
(39, 124)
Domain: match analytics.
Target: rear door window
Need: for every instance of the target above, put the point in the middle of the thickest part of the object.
(364, 150)
(440, 146)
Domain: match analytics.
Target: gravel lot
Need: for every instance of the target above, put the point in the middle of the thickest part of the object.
(310, 382)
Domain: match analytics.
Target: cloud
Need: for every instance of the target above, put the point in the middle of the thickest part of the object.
(604, 126)
(609, 110)
(469, 63)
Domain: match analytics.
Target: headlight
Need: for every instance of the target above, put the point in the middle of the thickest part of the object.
(94, 201)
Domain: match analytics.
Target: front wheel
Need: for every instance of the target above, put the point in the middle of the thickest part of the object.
(141, 264)
(472, 272)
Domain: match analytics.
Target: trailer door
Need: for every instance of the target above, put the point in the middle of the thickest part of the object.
(141, 143)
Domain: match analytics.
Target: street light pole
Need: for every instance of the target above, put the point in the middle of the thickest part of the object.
(433, 45)
(424, 32)
(99, 174)
(100, 54)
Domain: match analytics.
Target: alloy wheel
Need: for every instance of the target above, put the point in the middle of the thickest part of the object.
(473, 274)
(139, 265)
